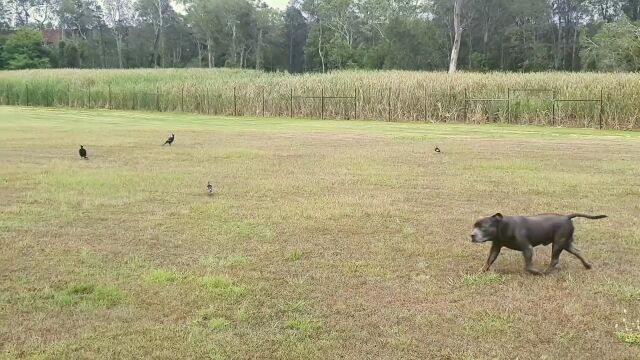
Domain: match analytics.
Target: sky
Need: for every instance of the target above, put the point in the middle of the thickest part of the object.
(281, 4)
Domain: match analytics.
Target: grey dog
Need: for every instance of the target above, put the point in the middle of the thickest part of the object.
(522, 233)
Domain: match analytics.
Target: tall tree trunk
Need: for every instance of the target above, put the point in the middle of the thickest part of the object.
(156, 42)
(470, 47)
(155, 47)
(574, 49)
(457, 26)
(119, 49)
(234, 48)
(559, 46)
(178, 58)
(210, 57)
(485, 38)
(564, 46)
(320, 49)
(259, 51)
(62, 30)
(162, 51)
(103, 51)
(199, 53)
(291, 45)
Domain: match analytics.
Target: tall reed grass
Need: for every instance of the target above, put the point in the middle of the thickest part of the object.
(379, 95)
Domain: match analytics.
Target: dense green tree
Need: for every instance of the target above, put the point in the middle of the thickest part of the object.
(632, 9)
(412, 44)
(296, 38)
(615, 46)
(155, 13)
(23, 50)
(326, 35)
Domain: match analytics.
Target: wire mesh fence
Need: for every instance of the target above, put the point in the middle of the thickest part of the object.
(546, 107)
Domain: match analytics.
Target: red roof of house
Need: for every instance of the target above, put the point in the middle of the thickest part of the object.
(51, 36)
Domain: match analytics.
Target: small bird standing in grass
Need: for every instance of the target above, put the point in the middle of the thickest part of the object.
(209, 188)
(437, 149)
(83, 153)
(169, 140)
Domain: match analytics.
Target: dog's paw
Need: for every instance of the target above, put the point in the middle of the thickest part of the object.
(534, 271)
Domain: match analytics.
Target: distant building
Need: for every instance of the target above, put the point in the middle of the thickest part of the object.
(51, 37)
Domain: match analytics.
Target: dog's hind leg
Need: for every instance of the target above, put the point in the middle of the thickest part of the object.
(576, 253)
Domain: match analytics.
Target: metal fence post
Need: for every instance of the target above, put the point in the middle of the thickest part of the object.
(355, 103)
(263, 102)
(425, 103)
(157, 98)
(553, 108)
(389, 105)
(182, 99)
(235, 102)
(68, 94)
(109, 103)
(508, 105)
(466, 116)
(322, 104)
(27, 88)
(601, 108)
(207, 101)
(89, 103)
(291, 102)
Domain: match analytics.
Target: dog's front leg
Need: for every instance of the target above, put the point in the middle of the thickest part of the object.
(493, 255)
(527, 252)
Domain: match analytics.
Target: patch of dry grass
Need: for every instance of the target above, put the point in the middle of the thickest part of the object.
(324, 239)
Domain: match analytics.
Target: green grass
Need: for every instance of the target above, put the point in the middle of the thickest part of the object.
(632, 338)
(484, 279)
(221, 286)
(162, 276)
(304, 327)
(489, 324)
(381, 95)
(100, 296)
(294, 255)
(325, 239)
(218, 324)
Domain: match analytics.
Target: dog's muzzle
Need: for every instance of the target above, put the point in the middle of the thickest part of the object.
(477, 238)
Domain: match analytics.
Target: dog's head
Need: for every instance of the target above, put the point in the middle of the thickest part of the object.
(486, 229)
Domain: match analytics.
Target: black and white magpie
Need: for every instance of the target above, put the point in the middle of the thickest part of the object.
(83, 153)
(169, 140)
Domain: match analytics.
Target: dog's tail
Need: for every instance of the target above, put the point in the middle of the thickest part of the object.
(594, 217)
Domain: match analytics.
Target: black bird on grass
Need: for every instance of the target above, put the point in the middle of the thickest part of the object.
(83, 153)
(437, 149)
(209, 188)
(169, 140)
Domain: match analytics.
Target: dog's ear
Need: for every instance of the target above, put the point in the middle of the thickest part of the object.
(497, 216)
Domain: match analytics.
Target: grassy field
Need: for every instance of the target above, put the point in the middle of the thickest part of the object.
(324, 239)
(381, 95)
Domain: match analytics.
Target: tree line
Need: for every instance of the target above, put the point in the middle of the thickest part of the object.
(322, 35)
